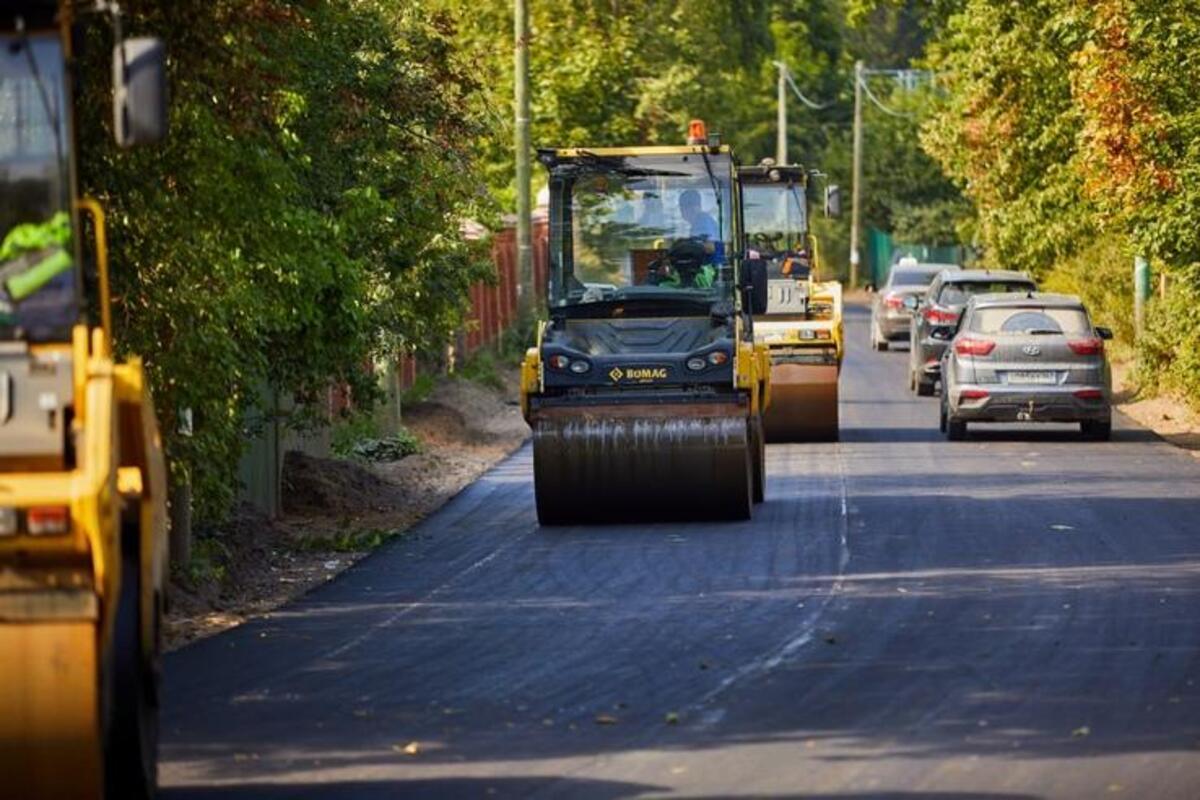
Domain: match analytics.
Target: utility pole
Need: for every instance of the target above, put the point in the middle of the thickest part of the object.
(856, 196)
(524, 210)
(781, 120)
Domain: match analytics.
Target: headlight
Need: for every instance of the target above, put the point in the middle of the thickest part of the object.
(579, 366)
(718, 357)
(696, 363)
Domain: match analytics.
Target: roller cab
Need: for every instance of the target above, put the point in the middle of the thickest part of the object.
(802, 323)
(645, 390)
(83, 555)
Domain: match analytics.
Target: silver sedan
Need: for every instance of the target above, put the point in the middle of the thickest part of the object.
(1026, 358)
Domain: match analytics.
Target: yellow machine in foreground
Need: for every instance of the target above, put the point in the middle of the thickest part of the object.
(646, 389)
(802, 324)
(83, 553)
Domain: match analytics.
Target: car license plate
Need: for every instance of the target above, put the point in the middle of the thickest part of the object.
(1033, 377)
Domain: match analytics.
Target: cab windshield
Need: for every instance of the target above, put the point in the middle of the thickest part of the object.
(776, 218)
(656, 227)
(38, 289)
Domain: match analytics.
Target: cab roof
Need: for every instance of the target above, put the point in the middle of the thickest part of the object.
(568, 153)
(770, 173)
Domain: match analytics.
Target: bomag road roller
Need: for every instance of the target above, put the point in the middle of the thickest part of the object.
(802, 323)
(645, 391)
(82, 481)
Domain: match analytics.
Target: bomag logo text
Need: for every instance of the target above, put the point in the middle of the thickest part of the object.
(641, 374)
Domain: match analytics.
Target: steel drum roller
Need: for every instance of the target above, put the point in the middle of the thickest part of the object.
(49, 725)
(804, 403)
(614, 467)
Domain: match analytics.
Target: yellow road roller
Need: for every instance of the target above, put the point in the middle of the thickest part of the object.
(802, 324)
(645, 390)
(83, 548)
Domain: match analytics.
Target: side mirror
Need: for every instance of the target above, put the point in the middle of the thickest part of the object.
(756, 285)
(139, 92)
(911, 302)
(1104, 333)
(833, 201)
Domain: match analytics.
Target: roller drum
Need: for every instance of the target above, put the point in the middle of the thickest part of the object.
(804, 403)
(596, 467)
(50, 745)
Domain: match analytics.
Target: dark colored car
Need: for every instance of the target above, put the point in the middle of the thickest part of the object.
(936, 314)
(1026, 358)
(889, 316)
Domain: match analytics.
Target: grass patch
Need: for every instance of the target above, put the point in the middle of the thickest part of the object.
(388, 448)
(349, 541)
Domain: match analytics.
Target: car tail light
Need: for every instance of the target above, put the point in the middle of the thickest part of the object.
(973, 347)
(893, 301)
(972, 394)
(43, 520)
(940, 316)
(559, 361)
(1087, 347)
(1089, 394)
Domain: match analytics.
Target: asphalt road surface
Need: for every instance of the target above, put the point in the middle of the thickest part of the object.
(1014, 616)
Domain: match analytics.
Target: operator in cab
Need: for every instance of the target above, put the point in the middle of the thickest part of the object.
(689, 261)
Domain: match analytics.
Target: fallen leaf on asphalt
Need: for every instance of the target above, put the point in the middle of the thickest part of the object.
(672, 718)
(1082, 731)
(605, 719)
(410, 749)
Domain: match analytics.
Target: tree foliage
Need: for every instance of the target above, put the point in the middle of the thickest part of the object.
(1072, 126)
(302, 221)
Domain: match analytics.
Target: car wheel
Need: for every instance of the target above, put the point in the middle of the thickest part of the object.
(1096, 431)
(956, 429)
(924, 388)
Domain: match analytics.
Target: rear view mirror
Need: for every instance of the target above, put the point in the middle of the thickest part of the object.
(833, 201)
(911, 302)
(139, 92)
(756, 285)
(1104, 333)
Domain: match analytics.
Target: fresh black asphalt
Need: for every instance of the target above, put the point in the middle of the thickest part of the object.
(1014, 616)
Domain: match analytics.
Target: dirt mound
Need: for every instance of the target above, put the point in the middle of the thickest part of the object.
(463, 412)
(329, 485)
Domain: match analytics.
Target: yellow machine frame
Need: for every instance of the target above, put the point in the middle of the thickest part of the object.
(59, 593)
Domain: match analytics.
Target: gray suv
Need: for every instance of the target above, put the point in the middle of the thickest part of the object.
(1026, 358)
(889, 316)
(936, 313)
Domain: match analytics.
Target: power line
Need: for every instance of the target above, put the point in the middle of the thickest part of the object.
(812, 104)
(879, 103)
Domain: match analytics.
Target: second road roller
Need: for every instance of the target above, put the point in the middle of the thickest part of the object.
(646, 390)
(83, 517)
(802, 323)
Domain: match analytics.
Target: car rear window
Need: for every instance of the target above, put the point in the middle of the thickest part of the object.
(910, 277)
(957, 294)
(1030, 320)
